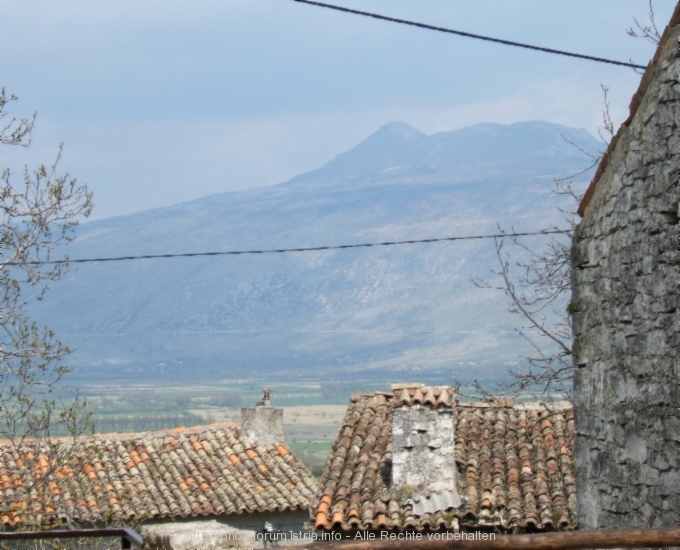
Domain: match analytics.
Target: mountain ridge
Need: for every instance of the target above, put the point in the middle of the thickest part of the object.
(447, 144)
(357, 310)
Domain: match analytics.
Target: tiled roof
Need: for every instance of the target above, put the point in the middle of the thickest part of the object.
(514, 468)
(206, 471)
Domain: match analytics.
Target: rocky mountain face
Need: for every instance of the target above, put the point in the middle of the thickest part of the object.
(409, 309)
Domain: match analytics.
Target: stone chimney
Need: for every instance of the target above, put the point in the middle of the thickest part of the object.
(423, 459)
(263, 423)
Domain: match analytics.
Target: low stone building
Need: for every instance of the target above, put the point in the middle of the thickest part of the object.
(625, 279)
(418, 459)
(219, 486)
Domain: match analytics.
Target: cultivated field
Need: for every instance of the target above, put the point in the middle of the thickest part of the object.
(325, 415)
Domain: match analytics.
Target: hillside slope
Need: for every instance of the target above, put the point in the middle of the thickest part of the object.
(321, 314)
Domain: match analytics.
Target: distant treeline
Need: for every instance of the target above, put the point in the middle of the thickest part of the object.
(150, 403)
(144, 423)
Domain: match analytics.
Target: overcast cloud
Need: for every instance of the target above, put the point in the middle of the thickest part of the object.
(160, 102)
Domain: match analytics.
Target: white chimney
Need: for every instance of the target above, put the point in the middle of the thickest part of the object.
(423, 458)
(263, 423)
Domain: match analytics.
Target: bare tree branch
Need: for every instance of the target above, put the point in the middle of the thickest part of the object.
(537, 284)
(648, 32)
(41, 430)
(13, 131)
(607, 124)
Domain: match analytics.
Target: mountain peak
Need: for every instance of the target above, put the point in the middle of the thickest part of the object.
(481, 149)
(397, 129)
(289, 315)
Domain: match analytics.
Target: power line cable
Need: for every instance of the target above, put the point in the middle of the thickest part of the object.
(281, 250)
(471, 35)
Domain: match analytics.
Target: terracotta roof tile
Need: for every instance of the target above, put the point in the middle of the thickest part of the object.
(514, 466)
(177, 473)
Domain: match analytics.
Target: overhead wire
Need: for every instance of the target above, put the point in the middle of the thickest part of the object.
(471, 35)
(284, 250)
(360, 245)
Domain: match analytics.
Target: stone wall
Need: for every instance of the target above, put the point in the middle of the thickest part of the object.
(263, 424)
(625, 317)
(422, 449)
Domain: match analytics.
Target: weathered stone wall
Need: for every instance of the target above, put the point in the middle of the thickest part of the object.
(422, 449)
(263, 424)
(625, 320)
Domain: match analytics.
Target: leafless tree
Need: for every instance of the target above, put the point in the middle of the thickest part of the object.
(537, 281)
(537, 284)
(38, 213)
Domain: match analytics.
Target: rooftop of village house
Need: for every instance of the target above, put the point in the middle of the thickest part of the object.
(512, 464)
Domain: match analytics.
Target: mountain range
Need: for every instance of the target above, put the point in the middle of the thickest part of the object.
(407, 311)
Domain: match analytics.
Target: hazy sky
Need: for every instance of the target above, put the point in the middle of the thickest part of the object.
(163, 101)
